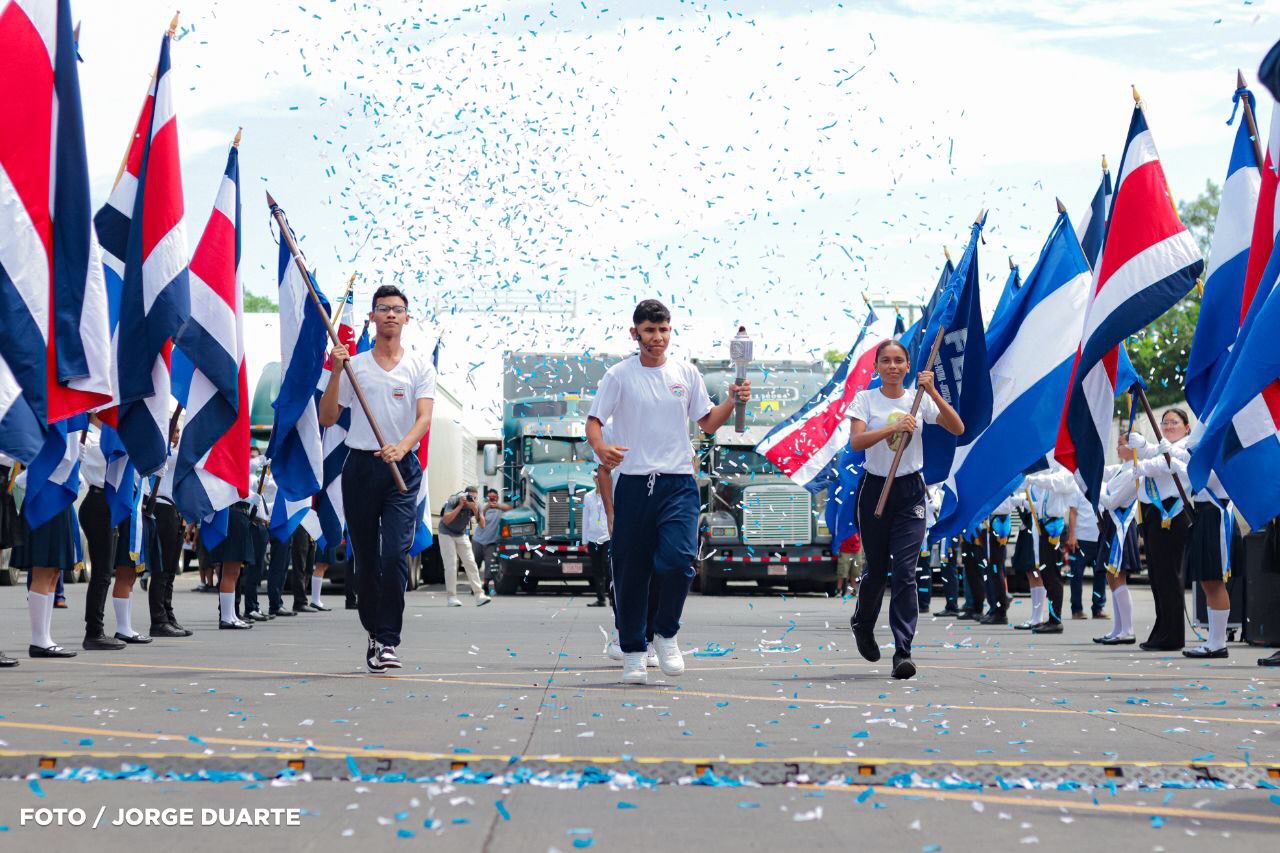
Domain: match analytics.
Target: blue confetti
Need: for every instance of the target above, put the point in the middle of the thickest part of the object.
(502, 810)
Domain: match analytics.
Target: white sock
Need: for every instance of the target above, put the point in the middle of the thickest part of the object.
(1038, 599)
(1123, 605)
(1117, 623)
(316, 583)
(40, 612)
(124, 616)
(227, 606)
(1217, 629)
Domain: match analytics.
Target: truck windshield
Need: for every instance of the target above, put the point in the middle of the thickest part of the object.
(741, 461)
(559, 450)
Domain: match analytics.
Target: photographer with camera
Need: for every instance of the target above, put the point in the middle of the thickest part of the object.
(455, 544)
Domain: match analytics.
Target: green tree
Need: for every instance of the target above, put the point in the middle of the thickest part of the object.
(255, 304)
(833, 357)
(1159, 352)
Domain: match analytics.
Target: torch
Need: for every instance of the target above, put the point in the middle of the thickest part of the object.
(740, 351)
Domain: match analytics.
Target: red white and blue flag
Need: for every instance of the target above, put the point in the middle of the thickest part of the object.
(212, 469)
(328, 503)
(56, 358)
(1149, 262)
(805, 445)
(144, 242)
(422, 537)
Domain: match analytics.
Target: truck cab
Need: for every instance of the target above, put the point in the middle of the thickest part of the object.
(757, 524)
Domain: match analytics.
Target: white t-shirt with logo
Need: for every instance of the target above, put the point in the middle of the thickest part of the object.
(877, 411)
(651, 408)
(392, 394)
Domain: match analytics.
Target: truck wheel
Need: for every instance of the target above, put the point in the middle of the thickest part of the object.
(710, 585)
(508, 578)
(529, 585)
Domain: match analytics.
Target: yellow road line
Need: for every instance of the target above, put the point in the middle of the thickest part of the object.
(221, 741)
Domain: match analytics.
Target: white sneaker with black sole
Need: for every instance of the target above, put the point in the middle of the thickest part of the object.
(633, 668)
(371, 657)
(387, 658)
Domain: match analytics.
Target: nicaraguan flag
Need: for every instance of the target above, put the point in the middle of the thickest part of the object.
(53, 478)
(1031, 345)
(1011, 286)
(913, 337)
(1228, 261)
(1091, 230)
(296, 451)
(961, 372)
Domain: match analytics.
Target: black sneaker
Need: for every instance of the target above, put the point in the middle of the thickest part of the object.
(371, 657)
(903, 667)
(387, 658)
(866, 644)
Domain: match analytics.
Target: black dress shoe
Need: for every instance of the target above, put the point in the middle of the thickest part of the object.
(54, 651)
(166, 630)
(238, 625)
(102, 643)
(351, 605)
(321, 608)
(1202, 652)
(6, 661)
(1271, 660)
(305, 607)
(971, 615)
(173, 623)
(1117, 641)
(948, 611)
(283, 612)
(599, 602)
(256, 616)
(994, 619)
(867, 647)
(1047, 628)
(903, 667)
(1027, 626)
(136, 639)
(1159, 647)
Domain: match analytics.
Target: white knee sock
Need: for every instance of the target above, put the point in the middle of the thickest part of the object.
(1123, 605)
(1217, 629)
(124, 616)
(1038, 600)
(227, 606)
(40, 613)
(1117, 623)
(316, 583)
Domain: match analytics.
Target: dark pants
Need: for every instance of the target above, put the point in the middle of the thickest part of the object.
(380, 523)
(95, 521)
(924, 581)
(601, 576)
(975, 587)
(303, 565)
(892, 547)
(1051, 573)
(993, 569)
(253, 574)
(655, 541)
(950, 575)
(289, 561)
(168, 526)
(1165, 549)
(1086, 557)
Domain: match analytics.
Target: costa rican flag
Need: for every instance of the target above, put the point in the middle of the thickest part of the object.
(1149, 262)
(212, 469)
(804, 445)
(1220, 306)
(422, 538)
(144, 241)
(56, 359)
(328, 503)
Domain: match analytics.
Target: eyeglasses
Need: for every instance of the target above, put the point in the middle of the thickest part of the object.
(397, 310)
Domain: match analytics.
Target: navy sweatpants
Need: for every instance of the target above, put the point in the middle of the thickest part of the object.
(380, 522)
(655, 541)
(892, 545)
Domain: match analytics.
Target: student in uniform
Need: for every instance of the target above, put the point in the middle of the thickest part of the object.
(1118, 545)
(995, 541)
(45, 552)
(880, 420)
(400, 387)
(1166, 529)
(168, 526)
(1082, 548)
(1024, 559)
(95, 521)
(1049, 493)
(651, 400)
(595, 533)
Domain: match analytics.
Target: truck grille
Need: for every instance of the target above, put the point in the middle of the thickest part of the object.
(558, 526)
(779, 515)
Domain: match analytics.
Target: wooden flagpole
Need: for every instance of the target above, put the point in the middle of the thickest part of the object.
(287, 236)
(124, 161)
(1251, 121)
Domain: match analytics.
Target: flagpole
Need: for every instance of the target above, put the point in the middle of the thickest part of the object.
(350, 286)
(124, 161)
(1251, 122)
(287, 236)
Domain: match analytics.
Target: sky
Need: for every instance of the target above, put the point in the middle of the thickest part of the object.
(527, 171)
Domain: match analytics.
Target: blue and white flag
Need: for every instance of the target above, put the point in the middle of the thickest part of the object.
(912, 337)
(53, 477)
(961, 372)
(296, 451)
(1228, 260)
(1011, 286)
(1092, 227)
(1032, 346)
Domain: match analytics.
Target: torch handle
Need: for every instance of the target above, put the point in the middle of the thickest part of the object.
(740, 406)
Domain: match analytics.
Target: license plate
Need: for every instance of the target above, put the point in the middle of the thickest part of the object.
(571, 568)
(777, 569)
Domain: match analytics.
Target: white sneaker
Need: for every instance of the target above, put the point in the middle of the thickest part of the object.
(669, 658)
(453, 602)
(633, 669)
(614, 651)
(651, 657)
(482, 600)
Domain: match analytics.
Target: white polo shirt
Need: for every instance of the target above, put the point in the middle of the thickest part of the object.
(878, 411)
(651, 408)
(392, 394)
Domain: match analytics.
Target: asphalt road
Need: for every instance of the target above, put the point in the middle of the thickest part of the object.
(786, 738)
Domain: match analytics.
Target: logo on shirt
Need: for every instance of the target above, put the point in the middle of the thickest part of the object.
(398, 392)
(919, 511)
(679, 391)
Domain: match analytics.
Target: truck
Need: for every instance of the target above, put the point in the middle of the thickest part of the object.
(756, 523)
(546, 464)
